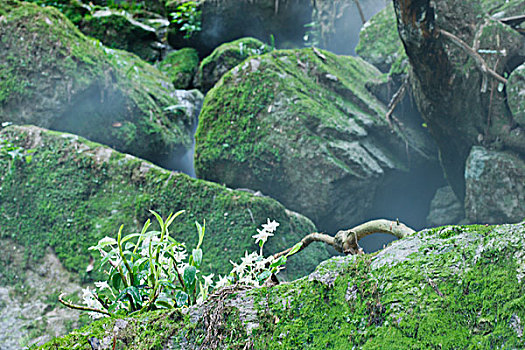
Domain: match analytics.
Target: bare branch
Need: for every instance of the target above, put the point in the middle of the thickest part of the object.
(482, 65)
(346, 241)
(80, 307)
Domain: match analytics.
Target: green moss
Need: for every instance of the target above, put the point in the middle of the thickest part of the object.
(379, 42)
(83, 87)
(118, 30)
(85, 198)
(225, 57)
(180, 66)
(457, 292)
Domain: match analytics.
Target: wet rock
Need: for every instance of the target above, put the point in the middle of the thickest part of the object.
(53, 76)
(180, 66)
(80, 192)
(301, 127)
(516, 94)
(119, 30)
(225, 21)
(431, 280)
(495, 186)
(224, 58)
(445, 208)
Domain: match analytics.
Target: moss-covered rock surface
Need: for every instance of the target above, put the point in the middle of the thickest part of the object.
(379, 42)
(224, 58)
(53, 76)
(180, 66)
(118, 30)
(300, 126)
(73, 193)
(456, 287)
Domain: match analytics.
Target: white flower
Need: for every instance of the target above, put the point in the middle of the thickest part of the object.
(270, 226)
(223, 281)
(208, 280)
(266, 232)
(238, 269)
(180, 255)
(248, 260)
(102, 285)
(90, 301)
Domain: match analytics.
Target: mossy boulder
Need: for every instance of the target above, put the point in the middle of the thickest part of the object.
(53, 76)
(75, 192)
(516, 94)
(224, 58)
(300, 126)
(180, 66)
(379, 42)
(504, 174)
(455, 287)
(118, 30)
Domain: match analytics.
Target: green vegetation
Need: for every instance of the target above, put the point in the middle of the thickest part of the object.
(92, 190)
(83, 87)
(187, 18)
(180, 66)
(445, 288)
(225, 57)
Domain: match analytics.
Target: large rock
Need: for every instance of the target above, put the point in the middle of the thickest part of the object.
(462, 106)
(379, 42)
(495, 186)
(51, 75)
(516, 94)
(180, 66)
(119, 30)
(449, 288)
(74, 192)
(301, 127)
(445, 208)
(224, 58)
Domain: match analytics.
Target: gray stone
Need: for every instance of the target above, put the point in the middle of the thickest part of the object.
(495, 186)
(445, 208)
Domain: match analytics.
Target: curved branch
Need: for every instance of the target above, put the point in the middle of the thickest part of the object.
(305, 242)
(345, 241)
(80, 307)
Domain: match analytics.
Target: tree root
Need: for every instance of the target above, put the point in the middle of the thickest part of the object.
(346, 241)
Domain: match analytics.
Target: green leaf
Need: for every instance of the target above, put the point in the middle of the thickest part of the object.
(104, 242)
(200, 232)
(279, 262)
(181, 298)
(189, 276)
(295, 249)
(170, 218)
(263, 276)
(197, 257)
(163, 303)
(134, 293)
(116, 280)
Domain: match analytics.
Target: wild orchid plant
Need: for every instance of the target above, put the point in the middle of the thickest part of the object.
(151, 270)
